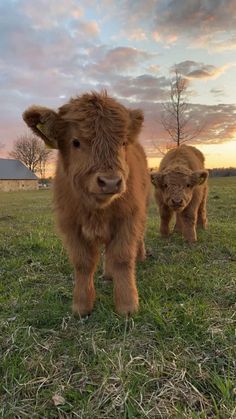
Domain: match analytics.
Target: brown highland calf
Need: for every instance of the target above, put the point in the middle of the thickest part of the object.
(181, 187)
(101, 191)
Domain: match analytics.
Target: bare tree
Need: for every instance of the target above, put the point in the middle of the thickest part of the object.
(175, 116)
(32, 152)
(163, 148)
(43, 160)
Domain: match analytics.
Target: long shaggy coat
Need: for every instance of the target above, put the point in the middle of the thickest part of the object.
(101, 191)
(181, 188)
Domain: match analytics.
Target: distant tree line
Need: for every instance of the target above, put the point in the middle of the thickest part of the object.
(216, 172)
(222, 172)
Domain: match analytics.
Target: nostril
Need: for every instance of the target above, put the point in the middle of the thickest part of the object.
(119, 181)
(101, 182)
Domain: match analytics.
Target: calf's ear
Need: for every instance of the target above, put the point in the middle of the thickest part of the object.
(199, 177)
(156, 178)
(136, 122)
(42, 122)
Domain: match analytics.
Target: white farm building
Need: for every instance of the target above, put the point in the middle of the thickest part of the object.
(15, 176)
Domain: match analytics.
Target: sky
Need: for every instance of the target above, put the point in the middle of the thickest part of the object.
(51, 50)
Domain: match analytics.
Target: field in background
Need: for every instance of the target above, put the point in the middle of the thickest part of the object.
(175, 359)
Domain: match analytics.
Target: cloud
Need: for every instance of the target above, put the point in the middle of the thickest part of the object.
(137, 35)
(136, 11)
(199, 20)
(121, 59)
(195, 70)
(169, 38)
(212, 125)
(41, 63)
(153, 68)
(132, 18)
(51, 51)
(218, 121)
(28, 46)
(105, 67)
(217, 44)
(142, 88)
(54, 13)
(217, 92)
(208, 24)
(90, 29)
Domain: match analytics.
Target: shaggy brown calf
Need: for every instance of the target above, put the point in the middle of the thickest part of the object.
(181, 187)
(101, 191)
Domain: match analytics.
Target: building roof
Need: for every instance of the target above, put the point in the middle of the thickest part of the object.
(15, 170)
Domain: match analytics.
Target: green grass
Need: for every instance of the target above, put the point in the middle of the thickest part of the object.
(175, 359)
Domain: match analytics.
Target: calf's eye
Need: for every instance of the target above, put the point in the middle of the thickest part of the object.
(165, 185)
(188, 185)
(76, 143)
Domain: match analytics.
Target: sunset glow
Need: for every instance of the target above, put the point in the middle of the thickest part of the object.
(217, 155)
(53, 50)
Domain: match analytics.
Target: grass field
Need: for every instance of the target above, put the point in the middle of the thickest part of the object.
(175, 359)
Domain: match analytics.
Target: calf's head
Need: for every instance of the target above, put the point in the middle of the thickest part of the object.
(177, 185)
(92, 133)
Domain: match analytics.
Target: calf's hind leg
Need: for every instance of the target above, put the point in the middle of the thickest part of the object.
(141, 256)
(141, 253)
(141, 249)
(107, 275)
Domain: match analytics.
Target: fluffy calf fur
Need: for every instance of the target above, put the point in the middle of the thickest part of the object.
(181, 188)
(101, 191)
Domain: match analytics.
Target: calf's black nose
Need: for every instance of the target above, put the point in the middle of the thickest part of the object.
(176, 202)
(109, 185)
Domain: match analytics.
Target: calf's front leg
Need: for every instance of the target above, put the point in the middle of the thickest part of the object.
(188, 221)
(166, 215)
(121, 259)
(84, 258)
(178, 225)
(202, 211)
(84, 292)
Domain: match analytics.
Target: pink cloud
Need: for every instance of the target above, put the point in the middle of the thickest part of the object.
(195, 70)
(200, 21)
(138, 35)
(120, 59)
(53, 12)
(91, 29)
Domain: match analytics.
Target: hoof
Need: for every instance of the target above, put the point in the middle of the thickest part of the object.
(127, 309)
(150, 254)
(106, 278)
(81, 311)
